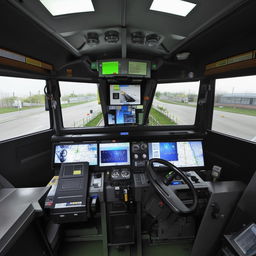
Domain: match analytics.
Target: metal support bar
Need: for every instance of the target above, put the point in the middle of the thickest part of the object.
(124, 42)
(104, 229)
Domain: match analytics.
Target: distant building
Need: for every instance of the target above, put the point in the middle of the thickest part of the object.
(238, 99)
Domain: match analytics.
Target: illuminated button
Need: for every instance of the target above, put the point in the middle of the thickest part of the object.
(144, 156)
(176, 183)
(136, 156)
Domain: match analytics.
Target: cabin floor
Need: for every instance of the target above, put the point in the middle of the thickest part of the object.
(94, 248)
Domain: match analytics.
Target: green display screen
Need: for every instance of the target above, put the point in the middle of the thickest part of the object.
(137, 68)
(110, 68)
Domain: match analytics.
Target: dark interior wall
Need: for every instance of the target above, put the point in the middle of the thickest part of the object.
(235, 156)
(26, 161)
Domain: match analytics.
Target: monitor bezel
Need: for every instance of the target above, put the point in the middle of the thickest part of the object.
(117, 166)
(185, 168)
(72, 143)
(127, 104)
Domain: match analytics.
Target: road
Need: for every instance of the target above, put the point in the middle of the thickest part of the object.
(236, 124)
(79, 114)
(18, 123)
(28, 121)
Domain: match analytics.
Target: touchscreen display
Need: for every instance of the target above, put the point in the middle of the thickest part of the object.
(113, 154)
(125, 94)
(126, 115)
(72, 153)
(181, 154)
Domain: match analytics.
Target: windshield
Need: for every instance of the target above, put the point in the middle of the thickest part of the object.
(80, 105)
(174, 104)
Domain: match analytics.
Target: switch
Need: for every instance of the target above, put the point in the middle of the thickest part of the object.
(144, 156)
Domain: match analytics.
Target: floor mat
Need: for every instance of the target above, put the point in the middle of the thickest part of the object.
(94, 248)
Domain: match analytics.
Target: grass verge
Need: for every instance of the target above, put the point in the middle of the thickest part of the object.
(159, 118)
(67, 105)
(94, 121)
(243, 111)
(177, 103)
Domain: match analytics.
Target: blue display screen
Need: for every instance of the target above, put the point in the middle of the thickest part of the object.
(181, 154)
(126, 115)
(72, 153)
(112, 154)
(168, 151)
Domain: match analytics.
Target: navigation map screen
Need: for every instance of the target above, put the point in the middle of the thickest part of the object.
(114, 154)
(181, 154)
(72, 153)
(124, 94)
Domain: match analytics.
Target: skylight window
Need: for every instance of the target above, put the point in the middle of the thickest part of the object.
(177, 7)
(60, 7)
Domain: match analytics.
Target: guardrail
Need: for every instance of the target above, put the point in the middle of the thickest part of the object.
(165, 112)
(82, 122)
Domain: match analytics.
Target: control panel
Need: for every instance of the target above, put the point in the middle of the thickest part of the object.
(193, 177)
(139, 154)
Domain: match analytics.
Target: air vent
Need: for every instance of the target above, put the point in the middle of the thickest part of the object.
(112, 36)
(138, 38)
(92, 39)
(152, 40)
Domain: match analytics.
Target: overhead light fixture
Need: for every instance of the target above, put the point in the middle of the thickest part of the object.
(138, 37)
(61, 7)
(92, 39)
(177, 37)
(152, 40)
(177, 7)
(111, 36)
(182, 55)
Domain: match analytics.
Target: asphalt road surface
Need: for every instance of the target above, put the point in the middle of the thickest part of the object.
(28, 121)
(243, 126)
(19, 123)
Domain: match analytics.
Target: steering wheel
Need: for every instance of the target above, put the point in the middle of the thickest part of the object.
(167, 192)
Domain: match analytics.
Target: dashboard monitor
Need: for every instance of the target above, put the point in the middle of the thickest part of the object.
(110, 68)
(72, 153)
(126, 115)
(181, 154)
(125, 94)
(114, 154)
(137, 68)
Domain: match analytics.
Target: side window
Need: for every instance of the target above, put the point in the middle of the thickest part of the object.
(235, 107)
(22, 107)
(80, 106)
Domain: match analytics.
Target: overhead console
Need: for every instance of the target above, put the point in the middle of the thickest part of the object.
(123, 67)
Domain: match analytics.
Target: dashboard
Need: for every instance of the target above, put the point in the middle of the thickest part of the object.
(183, 154)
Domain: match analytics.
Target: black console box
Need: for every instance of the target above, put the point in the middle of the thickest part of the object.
(68, 201)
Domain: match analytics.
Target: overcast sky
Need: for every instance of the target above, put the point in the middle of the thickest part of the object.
(22, 87)
(228, 85)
